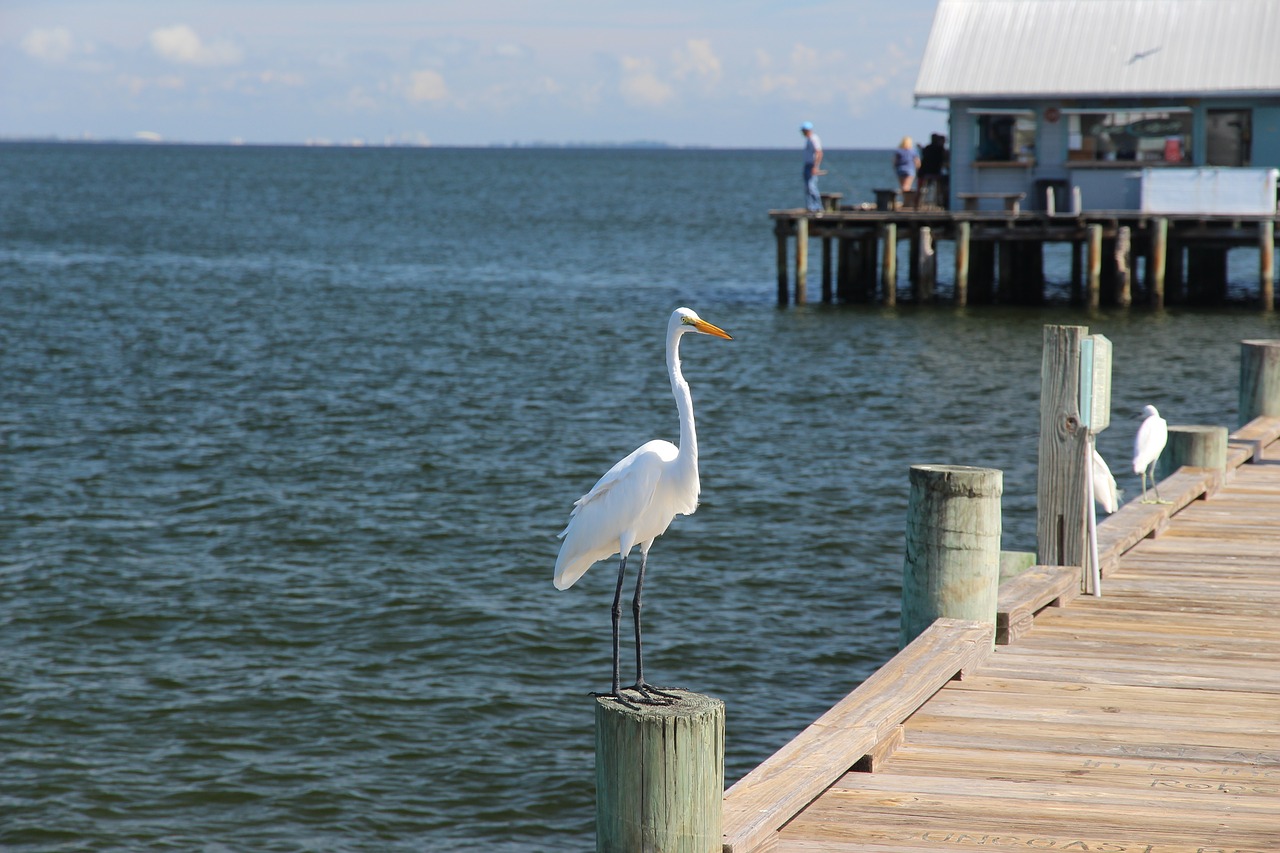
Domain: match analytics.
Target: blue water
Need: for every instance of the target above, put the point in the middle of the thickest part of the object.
(287, 437)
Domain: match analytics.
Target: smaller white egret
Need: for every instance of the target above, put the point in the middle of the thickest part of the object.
(1150, 441)
(637, 499)
(1104, 485)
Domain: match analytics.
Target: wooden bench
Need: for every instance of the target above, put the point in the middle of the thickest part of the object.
(1012, 201)
(831, 201)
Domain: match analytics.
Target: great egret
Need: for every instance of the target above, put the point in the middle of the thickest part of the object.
(637, 499)
(1151, 438)
(1104, 485)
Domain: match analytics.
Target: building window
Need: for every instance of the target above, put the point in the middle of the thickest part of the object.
(1007, 137)
(1143, 136)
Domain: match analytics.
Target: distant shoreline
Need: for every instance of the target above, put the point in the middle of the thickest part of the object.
(493, 146)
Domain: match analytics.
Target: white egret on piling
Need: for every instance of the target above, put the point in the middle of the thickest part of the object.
(1150, 441)
(637, 499)
(1104, 484)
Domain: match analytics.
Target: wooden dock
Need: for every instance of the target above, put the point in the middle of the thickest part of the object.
(1146, 720)
(1117, 257)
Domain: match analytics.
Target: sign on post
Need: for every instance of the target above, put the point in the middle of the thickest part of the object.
(1095, 382)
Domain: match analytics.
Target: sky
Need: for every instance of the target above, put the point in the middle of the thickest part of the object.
(717, 73)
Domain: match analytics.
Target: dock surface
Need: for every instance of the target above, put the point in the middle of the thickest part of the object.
(1143, 721)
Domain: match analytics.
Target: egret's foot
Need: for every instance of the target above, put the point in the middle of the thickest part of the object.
(653, 695)
(1154, 501)
(617, 697)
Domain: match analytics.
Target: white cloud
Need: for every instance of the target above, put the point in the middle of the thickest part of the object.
(51, 45)
(427, 85)
(697, 59)
(182, 45)
(640, 85)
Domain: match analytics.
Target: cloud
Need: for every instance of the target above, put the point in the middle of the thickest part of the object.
(697, 59)
(427, 85)
(51, 45)
(641, 86)
(182, 45)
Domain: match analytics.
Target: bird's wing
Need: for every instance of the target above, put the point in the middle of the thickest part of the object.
(1104, 484)
(613, 507)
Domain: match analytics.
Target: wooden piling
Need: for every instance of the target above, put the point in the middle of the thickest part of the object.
(802, 260)
(889, 266)
(1062, 535)
(826, 271)
(926, 265)
(780, 232)
(1159, 252)
(1093, 287)
(660, 775)
(1267, 264)
(952, 565)
(1124, 266)
(962, 263)
(1195, 445)
(1259, 379)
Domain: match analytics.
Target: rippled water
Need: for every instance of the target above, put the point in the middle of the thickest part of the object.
(287, 437)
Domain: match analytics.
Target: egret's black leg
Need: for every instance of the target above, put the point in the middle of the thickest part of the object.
(617, 617)
(648, 691)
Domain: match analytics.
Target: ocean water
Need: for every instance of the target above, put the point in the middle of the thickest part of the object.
(287, 436)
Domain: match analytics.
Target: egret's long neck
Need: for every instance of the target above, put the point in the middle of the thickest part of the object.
(684, 404)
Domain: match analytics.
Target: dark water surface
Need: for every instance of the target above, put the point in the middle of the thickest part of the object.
(287, 436)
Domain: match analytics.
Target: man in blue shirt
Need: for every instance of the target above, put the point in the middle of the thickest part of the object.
(812, 162)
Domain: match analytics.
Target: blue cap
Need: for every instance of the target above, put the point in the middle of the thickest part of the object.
(808, 125)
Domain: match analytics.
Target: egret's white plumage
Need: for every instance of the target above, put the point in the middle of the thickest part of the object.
(1150, 441)
(637, 499)
(1104, 484)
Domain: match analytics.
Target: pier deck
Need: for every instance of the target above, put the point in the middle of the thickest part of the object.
(1144, 720)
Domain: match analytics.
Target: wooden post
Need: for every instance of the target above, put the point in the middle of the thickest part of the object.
(660, 775)
(1077, 276)
(802, 260)
(926, 265)
(1062, 535)
(889, 266)
(780, 230)
(1197, 446)
(1267, 264)
(1159, 260)
(1259, 379)
(962, 263)
(952, 565)
(1006, 253)
(826, 270)
(1093, 290)
(1124, 267)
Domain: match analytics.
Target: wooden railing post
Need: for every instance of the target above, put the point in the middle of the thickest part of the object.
(1259, 379)
(952, 565)
(1062, 534)
(1197, 446)
(660, 775)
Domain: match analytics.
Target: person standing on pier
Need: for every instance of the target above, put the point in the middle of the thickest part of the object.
(812, 166)
(905, 163)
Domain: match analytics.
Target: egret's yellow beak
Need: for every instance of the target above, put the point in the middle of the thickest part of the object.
(711, 329)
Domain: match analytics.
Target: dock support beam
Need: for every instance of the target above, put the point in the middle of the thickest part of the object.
(780, 232)
(1259, 379)
(889, 266)
(1124, 266)
(1159, 260)
(1267, 264)
(962, 263)
(1093, 288)
(952, 566)
(802, 260)
(826, 270)
(660, 775)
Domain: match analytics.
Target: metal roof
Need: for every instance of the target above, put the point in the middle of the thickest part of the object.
(1080, 48)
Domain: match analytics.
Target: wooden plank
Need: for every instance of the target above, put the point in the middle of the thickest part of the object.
(1025, 595)
(769, 796)
(1256, 435)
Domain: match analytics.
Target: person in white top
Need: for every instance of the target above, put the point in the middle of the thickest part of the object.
(812, 167)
